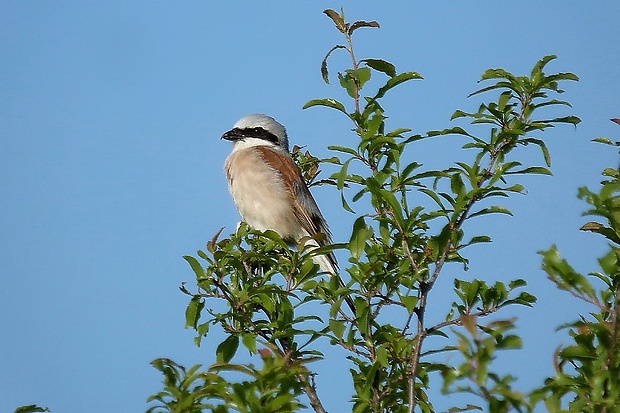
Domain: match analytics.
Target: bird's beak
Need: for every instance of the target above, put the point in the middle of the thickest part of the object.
(232, 135)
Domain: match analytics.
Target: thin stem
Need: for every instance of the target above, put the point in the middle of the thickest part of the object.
(457, 321)
(615, 333)
(584, 298)
(419, 339)
(310, 390)
(425, 287)
(406, 247)
(355, 66)
(305, 379)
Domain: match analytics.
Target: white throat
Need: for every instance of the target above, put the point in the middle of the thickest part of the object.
(252, 142)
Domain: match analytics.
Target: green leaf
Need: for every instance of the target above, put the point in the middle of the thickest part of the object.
(552, 102)
(564, 276)
(410, 301)
(577, 352)
(227, 349)
(409, 169)
(361, 23)
(249, 342)
(324, 72)
(606, 141)
(347, 81)
(497, 74)
(360, 234)
(362, 75)
(573, 120)
(517, 283)
(599, 228)
(467, 408)
(238, 368)
(381, 66)
(492, 74)
(342, 175)
(450, 131)
(459, 114)
(496, 209)
(475, 240)
(397, 133)
(395, 81)
(337, 327)
(543, 148)
(193, 310)
(343, 149)
(328, 102)
(540, 65)
(382, 356)
(457, 186)
(201, 330)
(345, 204)
(511, 341)
(524, 298)
(337, 19)
(395, 206)
(518, 188)
(592, 226)
(32, 408)
(531, 170)
(211, 245)
(196, 267)
(434, 197)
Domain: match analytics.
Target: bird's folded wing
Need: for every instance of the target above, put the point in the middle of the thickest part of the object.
(305, 207)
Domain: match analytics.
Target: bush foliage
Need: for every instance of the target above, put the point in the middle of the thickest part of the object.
(273, 302)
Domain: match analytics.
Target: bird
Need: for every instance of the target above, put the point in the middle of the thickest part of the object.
(269, 190)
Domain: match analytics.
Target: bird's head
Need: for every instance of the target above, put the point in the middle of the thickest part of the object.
(258, 129)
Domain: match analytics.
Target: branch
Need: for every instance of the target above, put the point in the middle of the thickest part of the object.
(355, 67)
(584, 298)
(457, 321)
(615, 333)
(420, 336)
(310, 390)
(306, 380)
(426, 286)
(407, 249)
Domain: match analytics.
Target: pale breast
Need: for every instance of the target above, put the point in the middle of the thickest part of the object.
(261, 197)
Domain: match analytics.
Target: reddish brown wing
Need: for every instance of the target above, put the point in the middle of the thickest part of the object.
(304, 204)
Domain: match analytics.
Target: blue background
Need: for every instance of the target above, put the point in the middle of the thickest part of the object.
(111, 166)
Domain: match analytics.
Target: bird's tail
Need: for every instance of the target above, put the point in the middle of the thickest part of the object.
(327, 262)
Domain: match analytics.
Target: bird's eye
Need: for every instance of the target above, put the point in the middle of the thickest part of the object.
(257, 130)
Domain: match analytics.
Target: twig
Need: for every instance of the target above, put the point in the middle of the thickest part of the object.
(355, 67)
(426, 286)
(310, 390)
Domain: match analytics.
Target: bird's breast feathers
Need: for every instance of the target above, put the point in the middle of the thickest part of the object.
(262, 182)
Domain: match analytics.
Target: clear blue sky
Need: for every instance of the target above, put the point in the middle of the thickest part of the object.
(111, 165)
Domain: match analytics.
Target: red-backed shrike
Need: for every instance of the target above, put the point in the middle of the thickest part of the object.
(268, 188)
